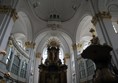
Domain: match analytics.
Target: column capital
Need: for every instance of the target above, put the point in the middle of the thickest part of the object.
(38, 55)
(14, 15)
(102, 15)
(67, 55)
(74, 46)
(30, 44)
(10, 43)
(5, 8)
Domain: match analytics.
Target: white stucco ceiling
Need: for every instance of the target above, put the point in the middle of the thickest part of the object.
(61, 10)
(74, 18)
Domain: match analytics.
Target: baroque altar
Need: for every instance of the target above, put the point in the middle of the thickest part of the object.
(52, 71)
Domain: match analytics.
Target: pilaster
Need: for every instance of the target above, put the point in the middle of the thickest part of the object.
(36, 70)
(30, 69)
(74, 46)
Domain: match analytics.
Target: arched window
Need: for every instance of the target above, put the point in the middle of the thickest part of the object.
(23, 69)
(15, 66)
(82, 70)
(115, 26)
(90, 67)
(61, 56)
(44, 54)
(9, 58)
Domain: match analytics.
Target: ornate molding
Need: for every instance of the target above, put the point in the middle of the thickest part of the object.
(14, 15)
(38, 55)
(5, 8)
(94, 20)
(74, 46)
(29, 44)
(3, 52)
(54, 25)
(67, 55)
(102, 15)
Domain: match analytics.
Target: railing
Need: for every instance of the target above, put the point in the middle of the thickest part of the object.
(20, 49)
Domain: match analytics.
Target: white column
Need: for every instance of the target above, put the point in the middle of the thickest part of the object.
(36, 65)
(112, 38)
(77, 76)
(30, 69)
(6, 35)
(69, 71)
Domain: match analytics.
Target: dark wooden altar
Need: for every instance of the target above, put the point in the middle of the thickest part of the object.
(52, 71)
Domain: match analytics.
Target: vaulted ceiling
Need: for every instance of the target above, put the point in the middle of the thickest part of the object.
(59, 10)
(53, 19)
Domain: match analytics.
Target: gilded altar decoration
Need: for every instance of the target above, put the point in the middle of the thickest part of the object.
(53, 42)
(52, 70)
(29, 44)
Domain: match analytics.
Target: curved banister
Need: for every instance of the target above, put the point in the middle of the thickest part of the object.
(20, 49)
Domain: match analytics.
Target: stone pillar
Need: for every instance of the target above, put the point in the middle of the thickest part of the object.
(69, 72)
(76, 63)
(30, 68)
(36, 69)
(5, 29)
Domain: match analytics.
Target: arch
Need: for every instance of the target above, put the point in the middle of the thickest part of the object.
(83, 36)
(22, 25)
(64, 39)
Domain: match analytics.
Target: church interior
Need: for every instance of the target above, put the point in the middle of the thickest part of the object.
(58, 41)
